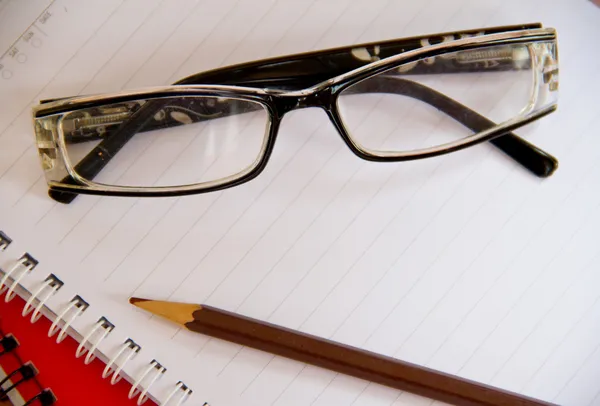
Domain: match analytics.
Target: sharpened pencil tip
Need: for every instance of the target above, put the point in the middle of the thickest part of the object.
(180, 313)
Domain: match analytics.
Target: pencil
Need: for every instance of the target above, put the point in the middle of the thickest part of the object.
(332, 355)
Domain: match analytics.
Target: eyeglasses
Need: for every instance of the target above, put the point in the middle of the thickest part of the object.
(398, 100)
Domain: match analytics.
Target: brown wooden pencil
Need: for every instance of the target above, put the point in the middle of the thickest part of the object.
(331, 355)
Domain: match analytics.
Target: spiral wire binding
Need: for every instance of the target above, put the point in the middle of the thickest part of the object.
(78, 305)
(157, 370)
(102, 323)
(9, 343)
(22, 267)
(179, 387)
(45, 398)
(26, 372)
(96, 334)
(4, 241)
(133, 348)
(51, 282)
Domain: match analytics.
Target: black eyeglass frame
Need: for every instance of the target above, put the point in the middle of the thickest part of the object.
(289, 94)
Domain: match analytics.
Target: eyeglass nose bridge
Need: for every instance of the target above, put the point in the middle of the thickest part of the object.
(321, 98)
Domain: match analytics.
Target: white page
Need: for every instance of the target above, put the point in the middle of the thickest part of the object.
(466, 262)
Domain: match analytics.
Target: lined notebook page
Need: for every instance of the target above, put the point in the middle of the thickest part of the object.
(465, 263)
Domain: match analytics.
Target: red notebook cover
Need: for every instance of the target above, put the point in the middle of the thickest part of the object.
(68, 378)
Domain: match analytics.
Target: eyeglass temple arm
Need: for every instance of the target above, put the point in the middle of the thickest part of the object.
(315, 66)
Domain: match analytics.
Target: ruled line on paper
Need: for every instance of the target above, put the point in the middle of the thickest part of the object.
(573, 361)
(216, 200)
(186, 18)
(151, 229)
(321, 302)
(354, 264)
(474, 307)
(25, 110)
(33, 24)
(100, 202)
(326, 206)
(76, 224)
(133, 206)
(211, 206)
(88, 83)
(36, 97)
(148, 14)
(471, 365)
(92, 79)
(34, 47)
(538, 341)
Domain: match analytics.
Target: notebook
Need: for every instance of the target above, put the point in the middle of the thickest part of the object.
(464, 263)
(60, 377)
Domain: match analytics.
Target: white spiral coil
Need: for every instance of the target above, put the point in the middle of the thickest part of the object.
(158, 371)
(186, 392)
(76, 303)
(35, 305)
(4, 241)
(51, 282)
(107, 327)
(22, 267)
(133, 348)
